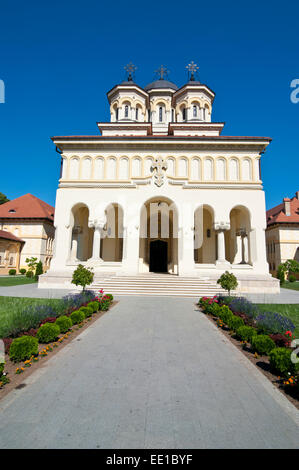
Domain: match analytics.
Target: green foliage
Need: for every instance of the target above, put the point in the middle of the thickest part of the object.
(82, 276)
(262, 344)
(3, 198)
(292, 278)
(77, 317)
(245, 333)
(105, 304)
(94, 305)
(281, 274)
(228, 281)
(12, 272)
(48, 332)
(29, 274)
(64, 323)
(225, 314)
(280, 361)
(88, 311)
(234, 322)
(32, 263)
(109, 297)
(23, 348)
(38, 270)
(2, 364)
(23, 271)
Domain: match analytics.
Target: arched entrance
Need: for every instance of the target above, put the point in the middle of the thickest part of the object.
(158, 245)
(158, 260)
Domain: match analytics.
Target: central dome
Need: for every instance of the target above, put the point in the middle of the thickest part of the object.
(160, 84)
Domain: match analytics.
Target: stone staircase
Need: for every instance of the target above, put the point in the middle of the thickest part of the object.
(157, 285)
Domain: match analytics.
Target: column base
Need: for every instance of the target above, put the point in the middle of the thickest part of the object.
(93, 262)
(223, 264)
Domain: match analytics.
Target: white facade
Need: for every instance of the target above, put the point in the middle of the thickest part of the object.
(161, 190)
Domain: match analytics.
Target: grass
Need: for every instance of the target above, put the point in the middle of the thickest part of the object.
(15, 280)
(11, 311)
(289, 310)
(290, 285)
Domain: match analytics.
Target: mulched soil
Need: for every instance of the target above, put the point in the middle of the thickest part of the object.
(17, 380)
(261, 362)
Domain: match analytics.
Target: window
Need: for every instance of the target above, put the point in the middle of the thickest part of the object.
(126, 111)
(204, 114)
(184, 114)
(160, 114)
(136, 114)
(195, 111)
(172, 115)
(116, 114)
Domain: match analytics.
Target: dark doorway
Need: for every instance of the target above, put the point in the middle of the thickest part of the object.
(158, 256)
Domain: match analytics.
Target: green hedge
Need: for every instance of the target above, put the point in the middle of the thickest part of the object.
(245, 333)
(23, 348)
(64, 323)
(262, 344)
(48, 332)
(77, 317)
(94, 305)
(88, 311)
(280, 361)
(234, 322)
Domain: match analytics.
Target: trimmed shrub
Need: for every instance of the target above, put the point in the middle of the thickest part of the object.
(88, 311)
(94, 305)
(23, 271)
(64, 323)
(228, 281)
(280, 361)
(225, 314)
(292, 278)
(77, 317)
(245, 333)
(39, 270)
(29, 274)
(235, 322)
(271, 322)
(12, 272)
(48, 333)
(23, 348)
(262, 344)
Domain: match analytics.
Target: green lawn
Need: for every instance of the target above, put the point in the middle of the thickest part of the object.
(6, 281)
(289, 310)
(291, 285)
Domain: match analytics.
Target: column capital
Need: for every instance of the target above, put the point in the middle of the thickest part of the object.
(97, 224)
(221, 226)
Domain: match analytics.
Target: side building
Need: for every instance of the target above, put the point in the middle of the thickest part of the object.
(282, 233)
(30, 220)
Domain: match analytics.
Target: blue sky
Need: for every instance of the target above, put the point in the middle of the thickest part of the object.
(59, 59)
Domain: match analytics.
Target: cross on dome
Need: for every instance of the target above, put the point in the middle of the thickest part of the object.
(162, 71)
(130, 69)
(192, 69)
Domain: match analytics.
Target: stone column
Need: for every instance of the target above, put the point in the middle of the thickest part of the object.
(98, 225)
(186, 240)
(220, 228)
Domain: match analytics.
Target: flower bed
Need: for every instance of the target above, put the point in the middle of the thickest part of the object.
(265, 339)
(28, 348)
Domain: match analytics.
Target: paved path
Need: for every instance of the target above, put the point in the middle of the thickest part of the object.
(151, 373)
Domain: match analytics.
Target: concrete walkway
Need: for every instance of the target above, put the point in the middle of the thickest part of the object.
(151, 373)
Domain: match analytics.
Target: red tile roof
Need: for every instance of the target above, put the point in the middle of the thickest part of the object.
(10, 236)
(277, 214)
(27, 206)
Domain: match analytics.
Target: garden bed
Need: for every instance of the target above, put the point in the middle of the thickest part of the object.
(17, 381)
(287, 383)
(40, 332)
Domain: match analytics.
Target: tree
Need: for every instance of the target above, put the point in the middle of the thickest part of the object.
(3, 198)
(82, 276)
(285, 269)
(32, 263)
(228, 281)
(39, 270)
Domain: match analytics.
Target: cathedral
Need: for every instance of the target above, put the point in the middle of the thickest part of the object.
(160, 189)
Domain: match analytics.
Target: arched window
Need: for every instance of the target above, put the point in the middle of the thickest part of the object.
(194, 110)
(160, 114)
(172, 115)
(204, 113)
(136, 114)
(184, 114)
(126, 111)
(116, 114)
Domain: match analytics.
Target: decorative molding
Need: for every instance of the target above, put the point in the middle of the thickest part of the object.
(221, 226)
